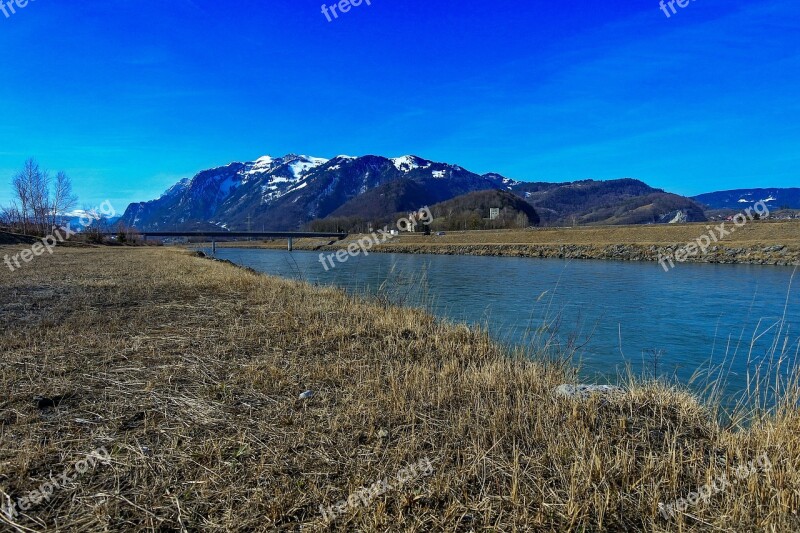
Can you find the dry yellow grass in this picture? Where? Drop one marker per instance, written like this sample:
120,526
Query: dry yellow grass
188,372
753,234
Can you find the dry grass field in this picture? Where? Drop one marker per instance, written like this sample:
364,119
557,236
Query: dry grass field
752,234
786,233
188,372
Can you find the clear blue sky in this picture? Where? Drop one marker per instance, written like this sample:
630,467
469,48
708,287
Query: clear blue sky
130,96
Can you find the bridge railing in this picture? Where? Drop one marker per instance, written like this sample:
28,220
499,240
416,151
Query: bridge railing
217,235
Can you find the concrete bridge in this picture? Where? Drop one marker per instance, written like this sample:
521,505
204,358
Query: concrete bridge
214,235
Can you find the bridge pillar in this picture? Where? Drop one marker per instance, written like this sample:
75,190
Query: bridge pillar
291,244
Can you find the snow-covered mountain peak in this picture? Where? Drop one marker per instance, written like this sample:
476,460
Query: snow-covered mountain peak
297,164
407,163
259,166
302,164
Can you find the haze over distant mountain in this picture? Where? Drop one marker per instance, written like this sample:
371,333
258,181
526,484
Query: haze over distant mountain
741,198
288,192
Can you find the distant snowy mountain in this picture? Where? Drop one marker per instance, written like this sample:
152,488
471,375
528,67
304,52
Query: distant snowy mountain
742,198
285,193
80,219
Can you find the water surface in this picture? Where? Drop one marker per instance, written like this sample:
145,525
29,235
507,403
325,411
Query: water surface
622,314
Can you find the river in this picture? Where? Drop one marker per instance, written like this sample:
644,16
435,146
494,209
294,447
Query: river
619,316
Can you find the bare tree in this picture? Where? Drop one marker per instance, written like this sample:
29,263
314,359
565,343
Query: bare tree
35,207
40,200
31,186
9,217
21,184
63,199
127,234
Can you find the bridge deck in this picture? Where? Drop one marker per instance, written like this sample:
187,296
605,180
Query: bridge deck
236,234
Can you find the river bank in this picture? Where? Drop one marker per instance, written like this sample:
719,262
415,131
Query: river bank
760,243
190,373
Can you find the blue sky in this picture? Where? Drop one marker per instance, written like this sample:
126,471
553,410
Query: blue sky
130,96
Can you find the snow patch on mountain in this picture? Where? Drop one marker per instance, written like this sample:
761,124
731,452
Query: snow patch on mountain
303,164
297,188
407,163
259,166
768,199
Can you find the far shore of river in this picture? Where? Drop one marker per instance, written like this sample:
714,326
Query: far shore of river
761,243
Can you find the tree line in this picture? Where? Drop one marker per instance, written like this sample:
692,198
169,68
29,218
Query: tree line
38,200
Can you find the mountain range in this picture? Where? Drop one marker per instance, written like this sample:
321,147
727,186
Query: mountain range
286,193
737,198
